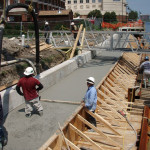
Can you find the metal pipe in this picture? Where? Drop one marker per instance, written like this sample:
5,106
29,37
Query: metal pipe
6,63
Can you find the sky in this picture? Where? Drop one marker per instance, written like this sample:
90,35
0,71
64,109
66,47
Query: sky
142,6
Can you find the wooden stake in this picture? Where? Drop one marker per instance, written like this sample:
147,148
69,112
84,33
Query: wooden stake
75,44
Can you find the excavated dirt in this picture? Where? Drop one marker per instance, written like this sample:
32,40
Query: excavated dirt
12,50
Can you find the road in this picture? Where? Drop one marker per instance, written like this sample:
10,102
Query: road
31,133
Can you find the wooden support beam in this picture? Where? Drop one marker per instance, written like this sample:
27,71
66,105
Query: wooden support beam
114,111
76,41
82,42
72,145
120,97
99,131
115,102
105,147
111,117
97,147
99,118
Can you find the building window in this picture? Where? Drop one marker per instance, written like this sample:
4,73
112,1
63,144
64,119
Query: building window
99,1
93,6
87,1
81,1
93,1
75,1
75,7
87,6
69,2
81,7
116,0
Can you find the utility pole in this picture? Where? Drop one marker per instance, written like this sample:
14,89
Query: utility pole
122,10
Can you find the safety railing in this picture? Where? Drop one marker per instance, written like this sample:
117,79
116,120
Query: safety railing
110,40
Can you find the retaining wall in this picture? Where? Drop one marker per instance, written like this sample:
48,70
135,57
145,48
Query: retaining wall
10,98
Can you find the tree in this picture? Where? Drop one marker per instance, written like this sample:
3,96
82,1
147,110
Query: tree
95,13
113,17
76,15
133,15
106,17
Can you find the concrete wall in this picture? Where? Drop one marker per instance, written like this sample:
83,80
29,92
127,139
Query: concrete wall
10,98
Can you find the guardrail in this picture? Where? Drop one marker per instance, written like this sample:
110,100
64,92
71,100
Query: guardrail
109,40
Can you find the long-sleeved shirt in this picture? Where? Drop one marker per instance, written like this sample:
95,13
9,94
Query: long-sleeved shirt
145,66
90,98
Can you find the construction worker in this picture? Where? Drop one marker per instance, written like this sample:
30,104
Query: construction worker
145,68
90,98
74,30
3,137
30,92
46,29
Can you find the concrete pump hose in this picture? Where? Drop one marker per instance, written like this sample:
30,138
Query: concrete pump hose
36,27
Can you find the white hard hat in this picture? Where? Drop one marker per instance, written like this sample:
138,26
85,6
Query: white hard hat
46,23
90,80
72,23
29,71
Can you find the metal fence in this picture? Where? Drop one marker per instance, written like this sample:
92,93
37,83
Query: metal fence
109,40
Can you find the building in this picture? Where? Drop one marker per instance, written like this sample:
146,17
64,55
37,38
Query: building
83,7
145,17
56,19
20,14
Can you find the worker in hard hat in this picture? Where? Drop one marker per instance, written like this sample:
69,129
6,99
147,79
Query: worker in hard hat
30,87
90,98
46,29
74,30
145,68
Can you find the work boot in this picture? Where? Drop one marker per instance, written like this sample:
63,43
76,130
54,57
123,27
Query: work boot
28,115
41,113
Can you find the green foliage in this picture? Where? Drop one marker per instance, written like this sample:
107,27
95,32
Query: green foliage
31,26
48,60
106,17
113,17
17,27
58,26
110,17
95,13
11,32
76,15
8,26
133,15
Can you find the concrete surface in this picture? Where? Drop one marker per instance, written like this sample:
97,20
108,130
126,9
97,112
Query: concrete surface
48,78
31,133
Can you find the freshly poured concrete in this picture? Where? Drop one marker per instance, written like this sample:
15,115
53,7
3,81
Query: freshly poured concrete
31,133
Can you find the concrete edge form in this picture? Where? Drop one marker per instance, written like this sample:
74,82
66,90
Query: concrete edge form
10,98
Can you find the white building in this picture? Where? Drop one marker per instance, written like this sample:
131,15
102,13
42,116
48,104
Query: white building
83,7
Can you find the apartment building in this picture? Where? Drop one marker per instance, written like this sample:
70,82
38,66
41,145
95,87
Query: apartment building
83,7
20,14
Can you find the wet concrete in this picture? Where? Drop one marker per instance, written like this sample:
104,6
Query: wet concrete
31,133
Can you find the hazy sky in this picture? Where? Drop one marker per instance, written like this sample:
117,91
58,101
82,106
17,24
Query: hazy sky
140,5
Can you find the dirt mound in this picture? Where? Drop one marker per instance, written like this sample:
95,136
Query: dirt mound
12,50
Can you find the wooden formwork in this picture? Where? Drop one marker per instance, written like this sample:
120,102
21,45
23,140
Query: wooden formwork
118,123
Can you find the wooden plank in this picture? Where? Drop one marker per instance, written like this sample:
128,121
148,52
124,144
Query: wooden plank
108,115
99,132
97,117
114,111
88,145
120,97
76,41
97,147
115,102
72,145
